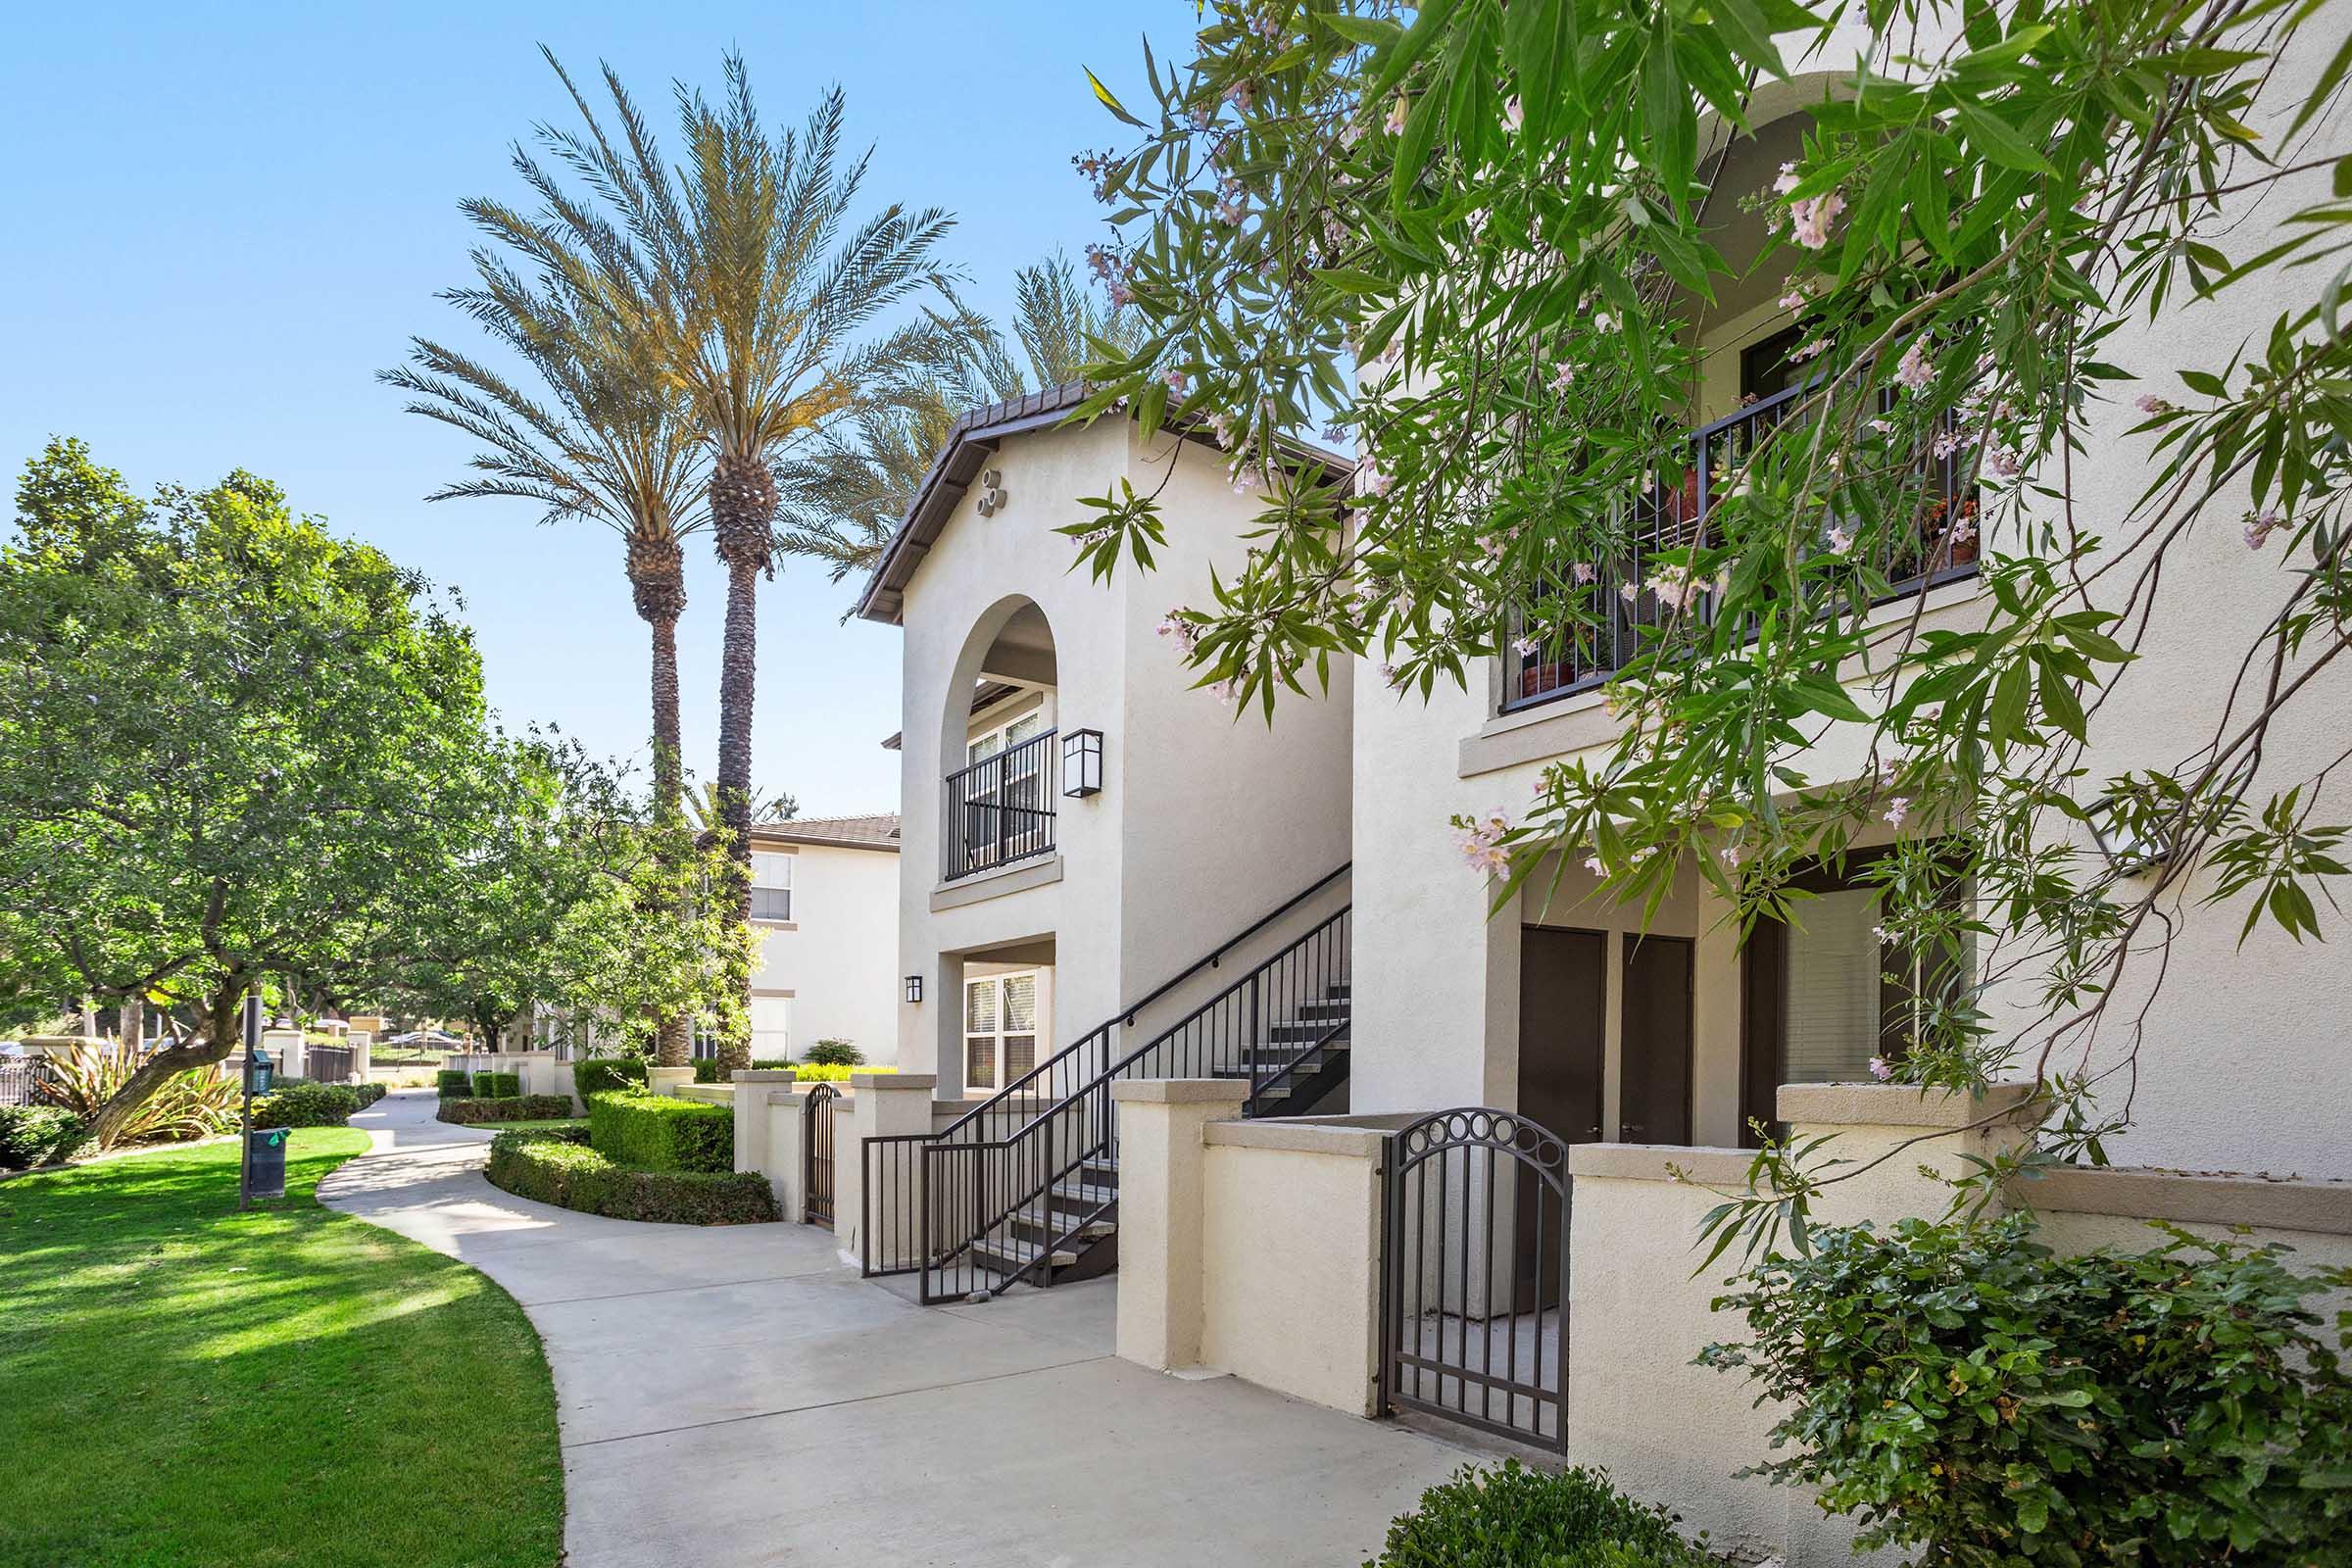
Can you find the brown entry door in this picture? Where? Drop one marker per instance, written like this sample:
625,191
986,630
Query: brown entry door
1654,1095
1564,998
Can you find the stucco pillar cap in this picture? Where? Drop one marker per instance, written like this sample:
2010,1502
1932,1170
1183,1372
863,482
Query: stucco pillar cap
1180,1091
923,1081
1901,1105
765,1075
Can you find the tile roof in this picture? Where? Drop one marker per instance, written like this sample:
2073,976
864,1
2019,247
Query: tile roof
879,831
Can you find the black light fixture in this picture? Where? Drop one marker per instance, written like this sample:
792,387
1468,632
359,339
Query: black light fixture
2127,848
915,988
1082,764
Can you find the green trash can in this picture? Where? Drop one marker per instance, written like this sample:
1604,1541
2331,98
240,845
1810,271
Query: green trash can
265,1161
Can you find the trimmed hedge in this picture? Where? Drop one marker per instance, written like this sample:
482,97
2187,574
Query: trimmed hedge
36,1135
599,1075
1515,1517
817,1072
453,1085
515,1107
497,1085
301,1104
706,1068
371,1093
569,1175
656,1132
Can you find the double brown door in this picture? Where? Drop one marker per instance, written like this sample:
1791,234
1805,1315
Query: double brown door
1563,1033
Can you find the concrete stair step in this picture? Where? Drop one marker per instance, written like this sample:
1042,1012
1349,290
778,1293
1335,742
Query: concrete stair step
1007,1255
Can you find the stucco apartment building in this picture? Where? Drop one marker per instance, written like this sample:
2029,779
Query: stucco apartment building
825,899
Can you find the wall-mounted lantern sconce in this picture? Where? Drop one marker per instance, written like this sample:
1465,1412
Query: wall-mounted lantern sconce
915,988
1082,764
992,493
2128,850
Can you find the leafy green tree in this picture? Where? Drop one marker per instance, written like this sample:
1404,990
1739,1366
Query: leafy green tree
743,268
231,747
1480,240
843,499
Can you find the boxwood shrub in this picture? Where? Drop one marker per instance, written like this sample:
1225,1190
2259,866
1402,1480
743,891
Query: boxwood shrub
835,1054
600,1075
368,1094
1515,1517
497,1085
301,1104
571,1175
453,1085
36,1135
657,1132
517,1108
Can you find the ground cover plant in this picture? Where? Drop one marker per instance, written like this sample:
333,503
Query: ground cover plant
190,1387
555,1170
36,1135
1515,1517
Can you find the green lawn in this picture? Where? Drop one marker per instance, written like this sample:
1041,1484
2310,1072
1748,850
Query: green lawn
186,1387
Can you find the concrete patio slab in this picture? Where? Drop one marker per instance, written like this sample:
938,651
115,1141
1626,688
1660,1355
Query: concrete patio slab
734,1395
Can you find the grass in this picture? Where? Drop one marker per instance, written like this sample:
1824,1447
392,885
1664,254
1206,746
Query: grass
190,1387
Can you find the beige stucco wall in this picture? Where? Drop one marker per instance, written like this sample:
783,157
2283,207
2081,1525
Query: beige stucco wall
1204,822
1438,980
838,958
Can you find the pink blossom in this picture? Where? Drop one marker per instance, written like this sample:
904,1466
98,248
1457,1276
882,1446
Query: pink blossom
1175,380
1899,809
1786,180
1564,377
2150,403
1396,113
1807,351
1810,218
1371,479
1882,1070
1269,25
1390,675
1512,115
1221,426
2004,463
2260,527
1593,866
1242,94
1229,691
1179,630
1525,646
1229,212
1840,540
1582,572
1916,370
1883,426
1796,299
1351,132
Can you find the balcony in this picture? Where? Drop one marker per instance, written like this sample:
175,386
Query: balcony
1000,810
1670,517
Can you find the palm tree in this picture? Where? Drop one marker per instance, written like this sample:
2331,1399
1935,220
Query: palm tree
742,267
843,499
603,442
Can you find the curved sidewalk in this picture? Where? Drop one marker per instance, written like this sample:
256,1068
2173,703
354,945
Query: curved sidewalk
734,1395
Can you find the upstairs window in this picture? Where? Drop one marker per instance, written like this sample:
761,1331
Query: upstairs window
771,886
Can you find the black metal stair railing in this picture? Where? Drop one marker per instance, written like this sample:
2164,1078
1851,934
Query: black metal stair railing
900,1228
1033,1199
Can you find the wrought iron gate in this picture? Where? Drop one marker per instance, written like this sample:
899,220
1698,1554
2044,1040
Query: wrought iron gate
817,1155
1475,1279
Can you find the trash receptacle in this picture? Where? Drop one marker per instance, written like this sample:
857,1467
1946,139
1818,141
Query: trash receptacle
258,1071
265,1161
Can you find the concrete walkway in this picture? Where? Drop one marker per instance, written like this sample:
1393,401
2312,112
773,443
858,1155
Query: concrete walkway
734,1395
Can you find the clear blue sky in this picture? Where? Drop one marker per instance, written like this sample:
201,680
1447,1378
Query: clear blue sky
222,219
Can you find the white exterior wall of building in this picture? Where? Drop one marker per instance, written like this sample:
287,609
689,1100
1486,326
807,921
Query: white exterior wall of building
838,958
1203,823
1436,980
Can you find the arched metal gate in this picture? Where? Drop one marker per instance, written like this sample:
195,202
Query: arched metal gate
817,1155
1475,1288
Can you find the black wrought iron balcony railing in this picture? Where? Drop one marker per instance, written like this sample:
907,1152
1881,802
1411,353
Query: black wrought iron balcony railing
1940,547
1000,809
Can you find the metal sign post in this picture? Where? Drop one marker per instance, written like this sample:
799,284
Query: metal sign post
253,1048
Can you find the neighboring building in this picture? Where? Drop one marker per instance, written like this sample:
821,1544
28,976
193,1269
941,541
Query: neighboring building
825,899
1030,913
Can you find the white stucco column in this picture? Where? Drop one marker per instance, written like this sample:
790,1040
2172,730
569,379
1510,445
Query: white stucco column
667,1080
883,1105
752,1142
786,1110
1162,1170
362,1047
284,1049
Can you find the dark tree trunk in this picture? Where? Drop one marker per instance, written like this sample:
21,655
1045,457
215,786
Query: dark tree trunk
743,511
658,575
215,1039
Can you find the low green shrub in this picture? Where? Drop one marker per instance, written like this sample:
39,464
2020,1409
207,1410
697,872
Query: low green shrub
1963,1389
835,1054
453,1085
822,1073
497,1085
602,1074
656,1132
706,1070
371,1093
1515,1517
773,1063
301,1104
36,1135
516,1108
554,1170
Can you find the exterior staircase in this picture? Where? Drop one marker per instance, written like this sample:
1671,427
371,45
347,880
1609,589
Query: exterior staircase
1024,1187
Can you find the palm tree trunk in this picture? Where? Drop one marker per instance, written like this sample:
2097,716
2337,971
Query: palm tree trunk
739,664
657,576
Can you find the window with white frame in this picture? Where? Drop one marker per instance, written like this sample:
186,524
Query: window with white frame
771,1028
1000,1029
771,885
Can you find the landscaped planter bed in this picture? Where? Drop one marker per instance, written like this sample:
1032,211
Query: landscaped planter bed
551,1167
